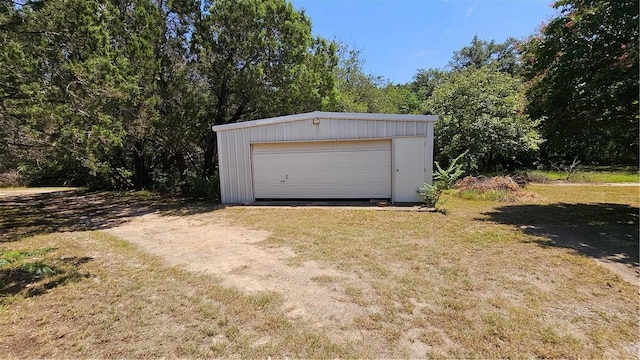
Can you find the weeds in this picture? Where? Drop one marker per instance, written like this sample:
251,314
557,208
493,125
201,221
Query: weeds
570,170
26,273
443,179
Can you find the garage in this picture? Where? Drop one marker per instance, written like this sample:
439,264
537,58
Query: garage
357,169
323,155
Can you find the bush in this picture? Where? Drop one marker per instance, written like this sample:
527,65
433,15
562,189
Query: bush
203,187
443,179
430,194
12,178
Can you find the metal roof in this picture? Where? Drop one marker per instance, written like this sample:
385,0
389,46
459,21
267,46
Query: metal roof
324,115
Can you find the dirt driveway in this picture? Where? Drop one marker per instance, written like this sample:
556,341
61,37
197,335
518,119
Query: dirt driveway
210,243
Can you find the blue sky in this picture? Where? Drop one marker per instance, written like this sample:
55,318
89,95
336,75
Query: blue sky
397,37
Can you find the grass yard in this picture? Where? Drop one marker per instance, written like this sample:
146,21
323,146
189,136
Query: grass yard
489,279
588,176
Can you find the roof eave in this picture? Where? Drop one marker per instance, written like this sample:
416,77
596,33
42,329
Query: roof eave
324,115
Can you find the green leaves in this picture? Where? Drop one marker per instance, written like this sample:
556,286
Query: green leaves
583,73
258,59
443,179
482,112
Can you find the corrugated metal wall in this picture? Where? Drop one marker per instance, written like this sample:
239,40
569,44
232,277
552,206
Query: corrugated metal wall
234,145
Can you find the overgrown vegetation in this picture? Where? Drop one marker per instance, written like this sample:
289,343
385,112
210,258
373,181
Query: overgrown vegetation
122,94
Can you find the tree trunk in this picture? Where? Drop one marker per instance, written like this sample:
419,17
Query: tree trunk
210,155
141,173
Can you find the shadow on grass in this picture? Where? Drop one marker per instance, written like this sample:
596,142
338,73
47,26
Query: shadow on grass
23,215
28,283
604,231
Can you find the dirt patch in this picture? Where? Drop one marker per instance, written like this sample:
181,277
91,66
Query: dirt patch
210,243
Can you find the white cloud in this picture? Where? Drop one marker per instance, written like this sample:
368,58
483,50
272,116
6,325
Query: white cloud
470,11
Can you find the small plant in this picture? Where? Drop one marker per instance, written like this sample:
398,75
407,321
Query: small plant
570,171
446,178
430,194
443,179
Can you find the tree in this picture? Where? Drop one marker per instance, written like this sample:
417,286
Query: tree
71,83
259,59
583,81
479,53
357,90
18,85
368,93
482,111
425,81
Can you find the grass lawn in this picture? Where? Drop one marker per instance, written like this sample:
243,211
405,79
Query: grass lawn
589,176
472,283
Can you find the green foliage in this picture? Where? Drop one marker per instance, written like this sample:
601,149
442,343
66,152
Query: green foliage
446,178
583,74
480,53
430,194
489,195
368,93
122,94
203,187
586,175
258,59
19,259
443,179
425,82
38,268
482,111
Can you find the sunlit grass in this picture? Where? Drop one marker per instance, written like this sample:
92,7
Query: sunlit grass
486,289
471,283
612,176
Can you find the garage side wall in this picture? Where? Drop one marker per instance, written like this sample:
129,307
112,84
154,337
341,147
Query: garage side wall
234,145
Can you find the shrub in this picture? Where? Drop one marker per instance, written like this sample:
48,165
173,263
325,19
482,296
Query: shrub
203,187
430,194
12,178
443,179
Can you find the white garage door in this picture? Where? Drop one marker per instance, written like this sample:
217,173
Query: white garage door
322,170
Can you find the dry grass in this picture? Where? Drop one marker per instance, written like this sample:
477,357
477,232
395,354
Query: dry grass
497,188
468,284
125,304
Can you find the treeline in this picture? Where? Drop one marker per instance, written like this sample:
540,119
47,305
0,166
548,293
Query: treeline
123,93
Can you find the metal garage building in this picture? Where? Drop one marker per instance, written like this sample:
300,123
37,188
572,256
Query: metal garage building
324,155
